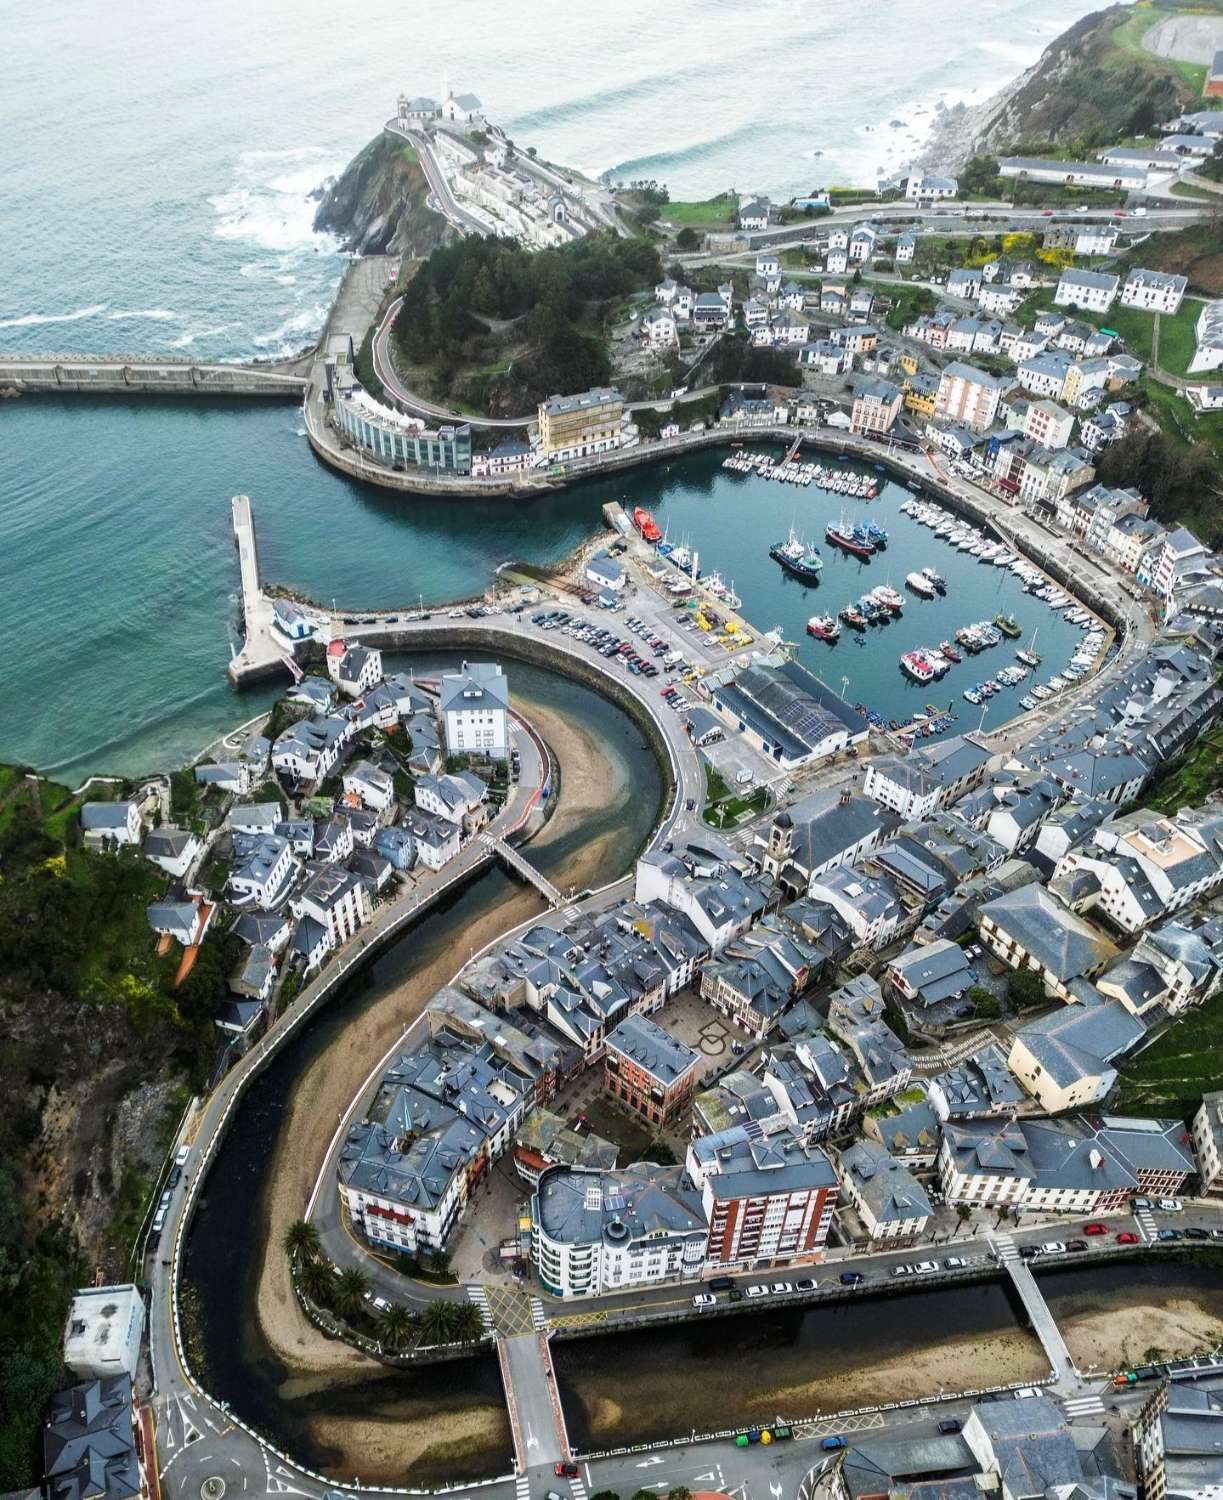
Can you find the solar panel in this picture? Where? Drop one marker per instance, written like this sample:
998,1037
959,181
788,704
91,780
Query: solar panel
615,1202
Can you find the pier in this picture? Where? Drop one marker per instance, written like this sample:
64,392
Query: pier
264,652
126,375
524,868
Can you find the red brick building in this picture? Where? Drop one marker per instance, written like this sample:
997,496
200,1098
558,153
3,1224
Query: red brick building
649,1071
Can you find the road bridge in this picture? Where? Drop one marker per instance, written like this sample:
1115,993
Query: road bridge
536,1418
133,375
524,868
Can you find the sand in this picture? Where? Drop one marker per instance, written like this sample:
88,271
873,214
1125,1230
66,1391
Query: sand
384,1450
1120,1337
326,1089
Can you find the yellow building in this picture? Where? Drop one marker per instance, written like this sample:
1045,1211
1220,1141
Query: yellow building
908,363
920,392
576,426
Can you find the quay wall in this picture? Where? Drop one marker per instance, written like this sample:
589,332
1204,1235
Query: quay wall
111,377
453,636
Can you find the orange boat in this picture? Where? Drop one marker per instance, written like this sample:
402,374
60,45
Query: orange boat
646,524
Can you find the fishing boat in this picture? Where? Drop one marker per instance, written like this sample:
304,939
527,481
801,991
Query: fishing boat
848,542
1029,658
646,524
940,583
823,628
949,651
871,612
851,616
918,666
875,534
889,598
920,584
797,559
1008,625
973,695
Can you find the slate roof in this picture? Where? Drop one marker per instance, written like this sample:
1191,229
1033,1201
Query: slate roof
1058,940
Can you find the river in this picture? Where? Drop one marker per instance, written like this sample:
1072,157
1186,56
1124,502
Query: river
342,1419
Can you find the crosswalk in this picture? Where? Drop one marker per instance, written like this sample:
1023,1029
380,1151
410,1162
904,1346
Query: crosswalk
1146,1223
538,1316
572,913
578,1488
522,1488
479,1297
1004,1247
1088,1405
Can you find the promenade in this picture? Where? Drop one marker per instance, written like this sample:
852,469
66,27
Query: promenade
141,375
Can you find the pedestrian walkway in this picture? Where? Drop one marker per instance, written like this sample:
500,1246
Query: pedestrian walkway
523,867
535,1408
1004,1247
1146,1224
1088,1405
479,1297
538,1316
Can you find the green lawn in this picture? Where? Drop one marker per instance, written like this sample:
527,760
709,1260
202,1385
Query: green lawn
1190,781
719,210
1127,38
1171,1076
1188,190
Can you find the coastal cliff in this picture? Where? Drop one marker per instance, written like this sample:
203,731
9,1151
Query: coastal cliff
379,203
1092,86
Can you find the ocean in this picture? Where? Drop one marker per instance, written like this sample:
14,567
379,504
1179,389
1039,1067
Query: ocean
159,164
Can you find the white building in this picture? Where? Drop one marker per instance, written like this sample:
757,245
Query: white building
1048,424
337,900
354,669
966,395
474,704
370,785
929,186
110,824
1209,352
103,1332
1092,291
1154,291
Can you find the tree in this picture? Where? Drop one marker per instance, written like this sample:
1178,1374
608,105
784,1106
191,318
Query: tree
350,1288
605,1495
437,1322
979,176
301,1241
317,1282
963,1213
396,1327
680,1492
467,1323
687,238
1025,989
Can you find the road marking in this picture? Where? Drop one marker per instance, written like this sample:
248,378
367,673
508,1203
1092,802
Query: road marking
532,1440
649,1463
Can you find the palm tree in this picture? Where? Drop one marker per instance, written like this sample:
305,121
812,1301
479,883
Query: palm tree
317,1282
300,1241
467,1323
437,1321
350,1289
396,1327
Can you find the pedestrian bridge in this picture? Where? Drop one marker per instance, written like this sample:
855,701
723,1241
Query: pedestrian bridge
1046,1329
524,868
127,375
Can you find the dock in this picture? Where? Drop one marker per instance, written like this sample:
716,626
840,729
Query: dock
264,652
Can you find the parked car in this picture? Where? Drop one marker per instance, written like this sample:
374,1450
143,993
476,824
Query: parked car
807,1284
1171,1234
852,1278
758,1291
1127,1237
1140,1203
1195,1232
566,1469
832,1442
1095,1228
721,1283
704,1299
180,1157
954,1263
1169,1205
949,1424
1076,1246
780,1288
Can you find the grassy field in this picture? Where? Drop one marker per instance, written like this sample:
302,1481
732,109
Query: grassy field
703,211
1127,39
1187,190
1171,1076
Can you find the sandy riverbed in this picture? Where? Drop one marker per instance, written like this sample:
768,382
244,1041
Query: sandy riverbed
1119,1337
428,1448
588,779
